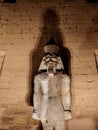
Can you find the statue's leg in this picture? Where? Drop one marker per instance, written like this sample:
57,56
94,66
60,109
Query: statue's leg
47,126
60,125
60,128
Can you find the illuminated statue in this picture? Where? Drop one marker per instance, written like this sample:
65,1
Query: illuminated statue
52,100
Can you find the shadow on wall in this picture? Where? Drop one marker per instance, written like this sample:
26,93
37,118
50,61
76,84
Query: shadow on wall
50,29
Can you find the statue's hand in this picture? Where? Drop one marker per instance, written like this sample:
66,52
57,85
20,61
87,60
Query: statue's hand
68,115
35,116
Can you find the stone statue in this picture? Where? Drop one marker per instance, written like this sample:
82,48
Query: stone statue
52,100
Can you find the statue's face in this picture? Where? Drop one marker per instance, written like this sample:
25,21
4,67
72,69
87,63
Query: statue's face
51,61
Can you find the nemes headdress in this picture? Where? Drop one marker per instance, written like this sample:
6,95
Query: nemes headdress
51,47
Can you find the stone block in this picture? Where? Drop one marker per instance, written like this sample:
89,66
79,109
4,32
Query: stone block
7,120
81,124
20,120
85,82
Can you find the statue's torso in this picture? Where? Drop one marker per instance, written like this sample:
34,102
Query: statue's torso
52,87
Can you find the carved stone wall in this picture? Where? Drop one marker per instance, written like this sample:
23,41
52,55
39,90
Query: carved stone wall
24,30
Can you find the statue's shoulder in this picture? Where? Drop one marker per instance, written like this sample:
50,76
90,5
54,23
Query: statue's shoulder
37,76
66,77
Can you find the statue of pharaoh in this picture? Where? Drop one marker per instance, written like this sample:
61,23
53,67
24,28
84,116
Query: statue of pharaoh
52,98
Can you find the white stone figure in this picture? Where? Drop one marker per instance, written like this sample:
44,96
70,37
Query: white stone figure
52,100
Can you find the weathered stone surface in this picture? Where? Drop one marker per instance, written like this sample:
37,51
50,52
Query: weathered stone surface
81,124
21,31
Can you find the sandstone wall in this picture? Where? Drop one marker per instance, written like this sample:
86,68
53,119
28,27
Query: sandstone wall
22,31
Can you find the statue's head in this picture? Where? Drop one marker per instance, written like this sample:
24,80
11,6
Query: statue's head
51,61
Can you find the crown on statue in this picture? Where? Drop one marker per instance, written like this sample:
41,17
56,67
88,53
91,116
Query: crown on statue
51,47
